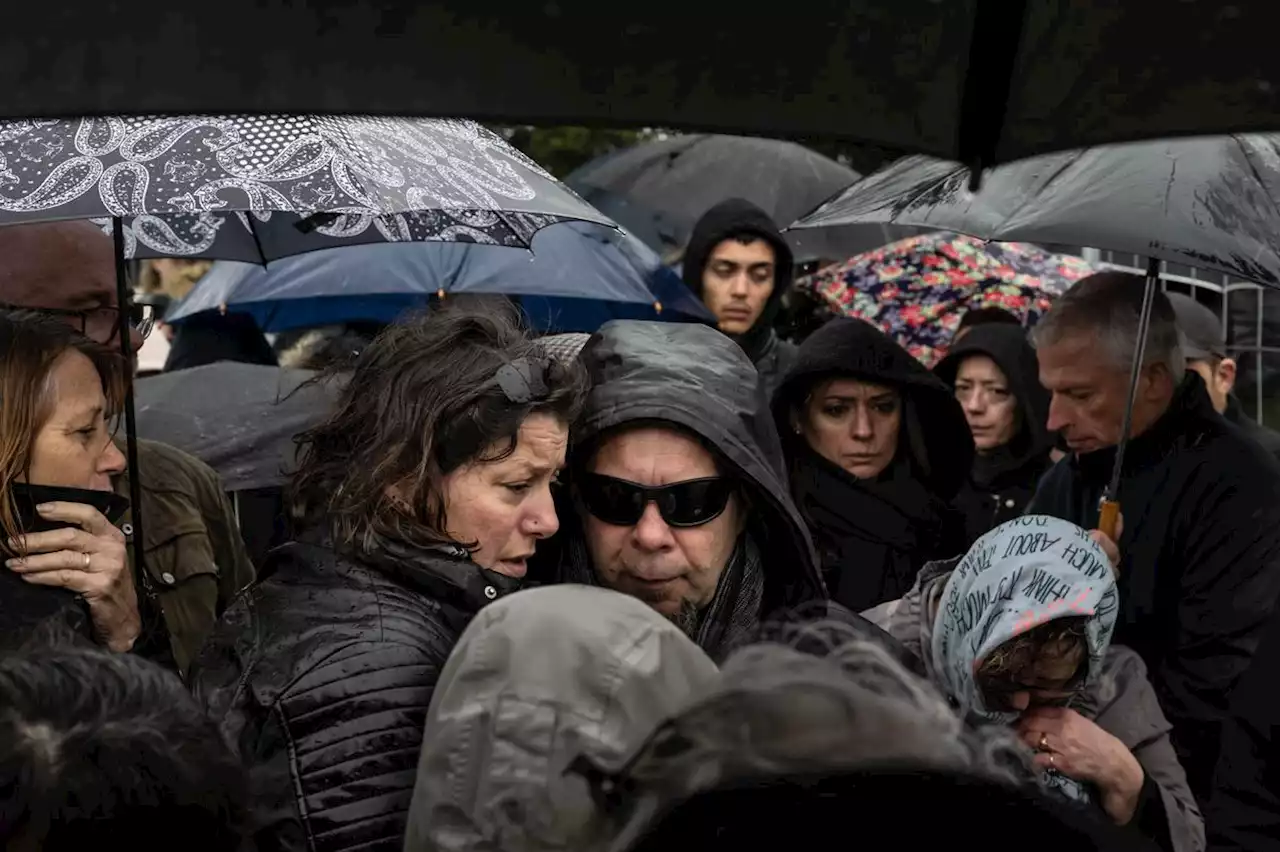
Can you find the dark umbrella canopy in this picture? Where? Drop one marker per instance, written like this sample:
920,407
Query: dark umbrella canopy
240,419
984,80
577,277
1212,203
256,188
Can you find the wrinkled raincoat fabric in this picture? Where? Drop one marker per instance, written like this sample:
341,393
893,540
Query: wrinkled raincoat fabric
1208,202
321,676
1199,558
873,535
771,355
539,679
1024,573
916,290
698,380
1004,478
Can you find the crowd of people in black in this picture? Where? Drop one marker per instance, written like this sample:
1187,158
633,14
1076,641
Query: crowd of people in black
661,585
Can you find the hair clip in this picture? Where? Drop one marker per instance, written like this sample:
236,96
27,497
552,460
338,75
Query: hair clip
522,381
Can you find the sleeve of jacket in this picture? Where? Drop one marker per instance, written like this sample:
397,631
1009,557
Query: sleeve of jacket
1232,554
235,569
1244,807
345,740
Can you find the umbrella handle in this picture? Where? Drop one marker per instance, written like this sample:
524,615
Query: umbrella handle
1109,518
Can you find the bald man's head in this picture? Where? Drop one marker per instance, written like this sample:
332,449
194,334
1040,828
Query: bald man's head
61,265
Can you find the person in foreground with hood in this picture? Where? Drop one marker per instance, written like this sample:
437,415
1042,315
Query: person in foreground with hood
678,488
420,500
878,447
997,381
540,680
740,267
1018,632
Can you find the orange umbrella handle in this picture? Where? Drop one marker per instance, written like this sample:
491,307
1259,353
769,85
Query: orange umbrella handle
1109,519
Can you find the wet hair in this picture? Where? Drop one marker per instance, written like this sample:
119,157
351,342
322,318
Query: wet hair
99,745
1109,304
1052,640
30,345
422,401
975,317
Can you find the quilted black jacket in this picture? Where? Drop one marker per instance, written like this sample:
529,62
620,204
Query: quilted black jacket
322,674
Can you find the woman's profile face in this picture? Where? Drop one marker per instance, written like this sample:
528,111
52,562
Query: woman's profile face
990,407
73,448
506,506
853,424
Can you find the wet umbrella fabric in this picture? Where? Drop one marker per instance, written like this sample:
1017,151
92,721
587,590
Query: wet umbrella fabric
240,419
916,290
577,277
966,80
256,188
1211,203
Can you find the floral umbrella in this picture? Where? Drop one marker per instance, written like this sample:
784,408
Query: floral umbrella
917,289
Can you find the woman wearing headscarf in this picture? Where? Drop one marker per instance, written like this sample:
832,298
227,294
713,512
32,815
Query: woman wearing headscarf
877,449
1018,632
994,374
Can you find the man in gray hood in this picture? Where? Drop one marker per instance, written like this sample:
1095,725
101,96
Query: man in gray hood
679,488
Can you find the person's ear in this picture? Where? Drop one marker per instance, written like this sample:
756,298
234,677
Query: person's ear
1226,374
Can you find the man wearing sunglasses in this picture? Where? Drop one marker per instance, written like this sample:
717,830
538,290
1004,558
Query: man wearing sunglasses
195,558
679,489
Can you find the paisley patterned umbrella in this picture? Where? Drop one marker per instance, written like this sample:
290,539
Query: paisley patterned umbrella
256,188
917,289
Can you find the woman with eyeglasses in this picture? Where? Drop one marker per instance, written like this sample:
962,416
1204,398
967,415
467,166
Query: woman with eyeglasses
996,380
419,500
877,448
1017,632
64,558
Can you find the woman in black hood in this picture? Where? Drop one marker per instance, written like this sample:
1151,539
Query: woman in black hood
994,373
742,287
878,448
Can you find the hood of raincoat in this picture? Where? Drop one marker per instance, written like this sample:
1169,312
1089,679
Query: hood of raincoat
1020,575
729,218
935,433
694,377
538,680
1007,346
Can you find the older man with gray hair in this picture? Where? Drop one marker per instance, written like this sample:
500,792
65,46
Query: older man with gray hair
1200,566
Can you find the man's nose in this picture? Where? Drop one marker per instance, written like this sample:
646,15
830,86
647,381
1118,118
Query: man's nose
739,286
1058,414
651,531
135,338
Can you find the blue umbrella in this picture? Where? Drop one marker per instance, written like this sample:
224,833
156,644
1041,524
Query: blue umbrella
577,277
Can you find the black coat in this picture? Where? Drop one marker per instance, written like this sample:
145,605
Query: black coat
321,675
1243,814
1268,439
874,536
1002,481
1200,558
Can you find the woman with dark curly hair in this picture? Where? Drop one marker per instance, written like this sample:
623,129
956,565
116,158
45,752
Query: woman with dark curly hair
420,500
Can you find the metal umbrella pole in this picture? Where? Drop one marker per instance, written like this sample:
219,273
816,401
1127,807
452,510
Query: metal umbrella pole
1109,510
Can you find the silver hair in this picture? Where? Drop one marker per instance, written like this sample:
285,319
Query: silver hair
780,710
1109,304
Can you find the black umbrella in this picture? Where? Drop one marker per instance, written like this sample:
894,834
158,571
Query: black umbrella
240,419
684,176
1213,203
971,80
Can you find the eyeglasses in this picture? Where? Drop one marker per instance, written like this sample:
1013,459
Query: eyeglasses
98,324
620,503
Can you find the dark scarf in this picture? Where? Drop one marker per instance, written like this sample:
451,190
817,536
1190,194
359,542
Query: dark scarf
873,534
733,615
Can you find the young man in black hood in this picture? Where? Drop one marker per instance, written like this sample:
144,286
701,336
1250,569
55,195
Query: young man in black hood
739,265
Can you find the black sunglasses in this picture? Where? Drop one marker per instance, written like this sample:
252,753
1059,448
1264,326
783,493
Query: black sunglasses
690,503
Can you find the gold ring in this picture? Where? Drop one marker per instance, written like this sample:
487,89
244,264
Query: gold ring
1053,764
87,560
1043,745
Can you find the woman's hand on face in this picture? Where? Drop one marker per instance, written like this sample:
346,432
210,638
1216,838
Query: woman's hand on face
1075,746
89,559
